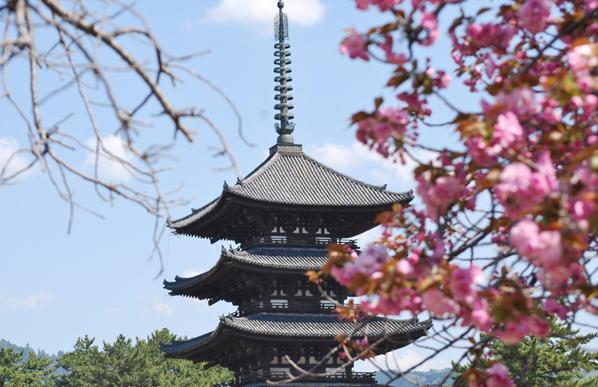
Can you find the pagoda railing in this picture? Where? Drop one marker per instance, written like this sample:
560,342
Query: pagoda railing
252,307
363,377
298,240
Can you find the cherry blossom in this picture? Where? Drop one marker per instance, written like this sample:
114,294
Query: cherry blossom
438,194
355,45
463,282
541,247
505,233
437,303
498,376
534,15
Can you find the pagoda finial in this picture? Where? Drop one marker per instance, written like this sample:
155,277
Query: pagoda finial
284,127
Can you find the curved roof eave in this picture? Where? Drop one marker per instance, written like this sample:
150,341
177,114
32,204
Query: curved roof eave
202,343
274,262
268,192
181,283
214,207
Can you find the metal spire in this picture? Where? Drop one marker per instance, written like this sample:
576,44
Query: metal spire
284,127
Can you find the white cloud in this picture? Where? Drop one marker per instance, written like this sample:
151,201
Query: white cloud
357,159
163,309
109,164
261,12
32,301
11,160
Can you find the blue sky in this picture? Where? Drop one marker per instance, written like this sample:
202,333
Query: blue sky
97,281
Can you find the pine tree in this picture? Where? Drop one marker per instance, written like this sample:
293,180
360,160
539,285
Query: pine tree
559,359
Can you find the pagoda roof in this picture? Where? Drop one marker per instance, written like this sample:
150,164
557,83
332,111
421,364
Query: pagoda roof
271,258
289,177
298,327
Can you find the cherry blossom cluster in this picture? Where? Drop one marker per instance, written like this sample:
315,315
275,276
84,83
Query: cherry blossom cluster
507,233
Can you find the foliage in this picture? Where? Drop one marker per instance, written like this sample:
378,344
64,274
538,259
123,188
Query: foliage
506,235
559,359
16,371
122,363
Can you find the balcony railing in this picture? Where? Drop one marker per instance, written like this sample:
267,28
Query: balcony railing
363,377
253,307
298,240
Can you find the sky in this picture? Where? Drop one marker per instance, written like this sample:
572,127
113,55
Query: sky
97,280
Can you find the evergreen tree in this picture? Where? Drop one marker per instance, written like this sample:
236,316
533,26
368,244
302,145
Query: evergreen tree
16,371
559,359
124,363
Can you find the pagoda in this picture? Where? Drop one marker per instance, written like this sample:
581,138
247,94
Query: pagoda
282,216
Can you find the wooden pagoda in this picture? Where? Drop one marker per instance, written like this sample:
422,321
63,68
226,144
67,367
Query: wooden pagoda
282,216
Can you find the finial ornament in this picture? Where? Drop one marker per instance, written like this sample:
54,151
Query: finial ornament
284,127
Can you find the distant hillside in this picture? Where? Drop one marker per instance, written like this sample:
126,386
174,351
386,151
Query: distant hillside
27,350
420,379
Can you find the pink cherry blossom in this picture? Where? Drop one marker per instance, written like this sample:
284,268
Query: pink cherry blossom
519,101
464,281
403,299
522,173
480,315
430,24
437,303
490,35
404,267
590,5
387,123
582,60
538,327
371,259
508,133
479,152
390,55
513,332
383,5
581,209
498,376
553,307
344,275
439,194
534,15
540,247
363,4
520,188
355,45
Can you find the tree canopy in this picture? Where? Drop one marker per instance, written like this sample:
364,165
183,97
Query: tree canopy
560,359
124,362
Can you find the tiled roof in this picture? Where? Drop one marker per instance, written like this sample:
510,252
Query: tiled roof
290,177
320,325
284,258
304,327
288,257
295,178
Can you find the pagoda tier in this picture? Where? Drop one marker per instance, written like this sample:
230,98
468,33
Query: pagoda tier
263,278
256,345
283,215
290,198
